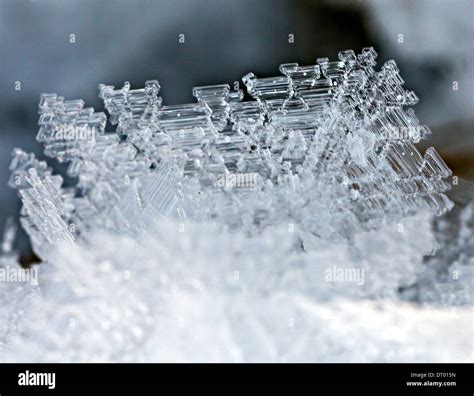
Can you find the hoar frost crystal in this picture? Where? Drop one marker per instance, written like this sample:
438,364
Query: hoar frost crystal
327,148
206,231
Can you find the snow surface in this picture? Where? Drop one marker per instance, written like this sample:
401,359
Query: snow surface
192,293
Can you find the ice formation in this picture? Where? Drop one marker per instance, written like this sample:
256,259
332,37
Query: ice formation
203,295
216,231
327,148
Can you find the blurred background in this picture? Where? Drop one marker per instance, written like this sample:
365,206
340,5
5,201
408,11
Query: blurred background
69,47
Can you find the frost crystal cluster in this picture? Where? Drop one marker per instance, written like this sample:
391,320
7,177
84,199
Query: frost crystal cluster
327,148
286,223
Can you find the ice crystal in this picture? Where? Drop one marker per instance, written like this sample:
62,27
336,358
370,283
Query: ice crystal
217,230
328,149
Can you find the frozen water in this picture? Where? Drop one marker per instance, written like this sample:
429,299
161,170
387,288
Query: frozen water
328,148
241,230
193,293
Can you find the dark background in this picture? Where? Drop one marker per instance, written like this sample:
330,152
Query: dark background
118,40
